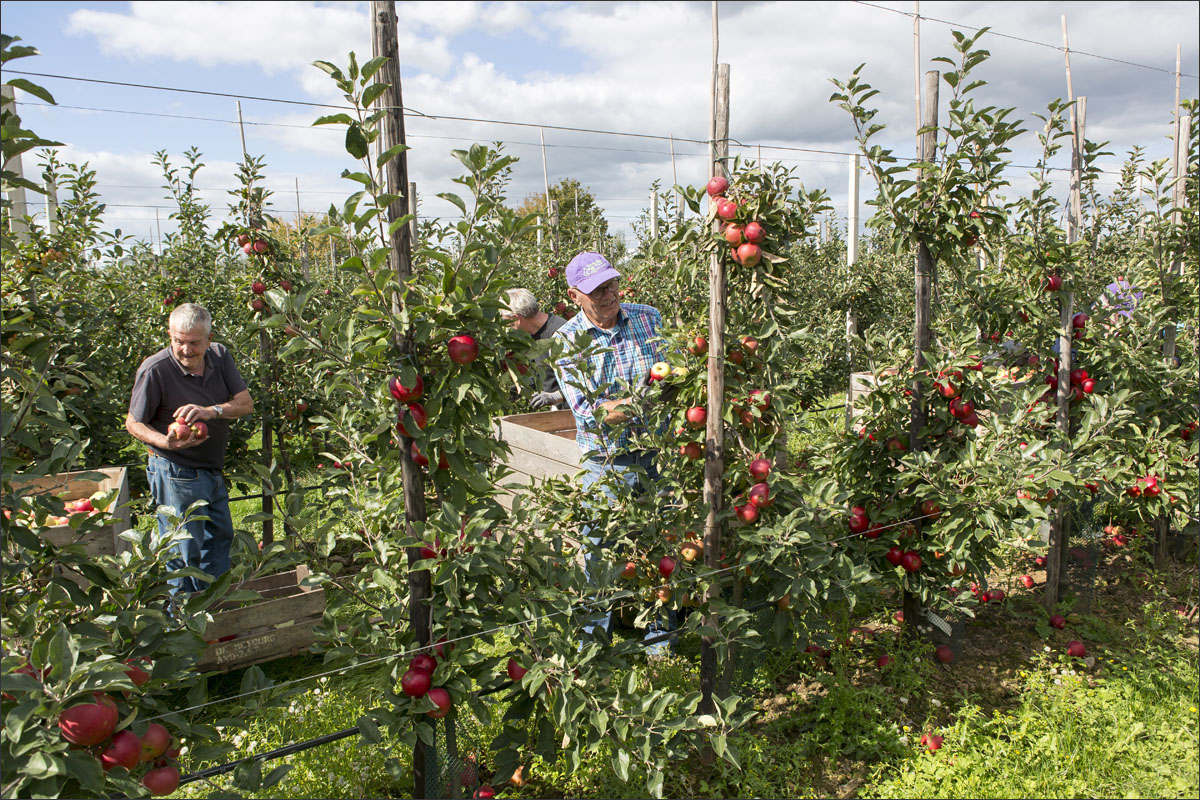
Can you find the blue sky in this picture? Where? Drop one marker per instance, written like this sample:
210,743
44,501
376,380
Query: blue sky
632,67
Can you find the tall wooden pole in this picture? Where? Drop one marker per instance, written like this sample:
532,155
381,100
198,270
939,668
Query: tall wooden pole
924,271
714,446
18,210
675,182
412,209
383,29
851,260
300,236
1060,524
51,205
654,215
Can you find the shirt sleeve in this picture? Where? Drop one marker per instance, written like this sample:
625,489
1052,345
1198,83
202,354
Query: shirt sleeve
146,397
233,378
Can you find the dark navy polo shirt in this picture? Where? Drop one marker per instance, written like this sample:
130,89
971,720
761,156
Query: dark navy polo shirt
162,386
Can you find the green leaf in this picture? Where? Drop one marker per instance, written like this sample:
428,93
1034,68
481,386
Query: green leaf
32,88
335,119
373,93
356,141
390,153
369,69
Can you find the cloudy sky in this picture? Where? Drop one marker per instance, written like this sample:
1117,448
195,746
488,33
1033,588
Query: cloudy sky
612,67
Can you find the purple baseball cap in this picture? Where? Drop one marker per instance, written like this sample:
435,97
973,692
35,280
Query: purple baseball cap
588,270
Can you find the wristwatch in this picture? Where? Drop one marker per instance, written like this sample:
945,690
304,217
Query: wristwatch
220,412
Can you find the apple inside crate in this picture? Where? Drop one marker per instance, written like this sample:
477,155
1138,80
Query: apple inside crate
278,624
71,487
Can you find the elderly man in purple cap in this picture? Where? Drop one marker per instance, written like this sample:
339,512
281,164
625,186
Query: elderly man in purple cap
621,341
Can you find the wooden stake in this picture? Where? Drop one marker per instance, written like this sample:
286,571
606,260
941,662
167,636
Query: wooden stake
675,182
242,130
383,29
851,260
300,236
551,206
925,270
714,450
653,215
412,209
51,205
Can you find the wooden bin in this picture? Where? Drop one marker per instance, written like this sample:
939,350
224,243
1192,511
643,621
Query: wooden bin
70,486
280,624
543,446
861,385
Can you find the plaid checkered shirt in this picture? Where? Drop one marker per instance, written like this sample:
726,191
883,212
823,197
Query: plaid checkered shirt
630,348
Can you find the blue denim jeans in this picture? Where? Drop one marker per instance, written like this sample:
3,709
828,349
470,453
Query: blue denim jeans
208,547
621,466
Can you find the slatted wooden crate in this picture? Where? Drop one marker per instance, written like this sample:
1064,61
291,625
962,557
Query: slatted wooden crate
543,446
71,486
280,624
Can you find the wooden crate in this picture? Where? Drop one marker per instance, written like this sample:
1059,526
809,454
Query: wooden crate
280,624
861,385
543,446
70,486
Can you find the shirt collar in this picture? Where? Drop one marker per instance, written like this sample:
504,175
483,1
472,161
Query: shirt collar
622,319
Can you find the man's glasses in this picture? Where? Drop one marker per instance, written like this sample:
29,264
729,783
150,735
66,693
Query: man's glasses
612,287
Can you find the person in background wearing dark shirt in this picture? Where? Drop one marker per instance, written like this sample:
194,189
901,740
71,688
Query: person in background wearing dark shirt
193,380
525,315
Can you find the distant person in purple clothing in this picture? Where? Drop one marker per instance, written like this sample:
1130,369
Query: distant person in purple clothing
1122,297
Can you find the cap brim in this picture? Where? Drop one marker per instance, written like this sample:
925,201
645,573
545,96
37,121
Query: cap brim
589,284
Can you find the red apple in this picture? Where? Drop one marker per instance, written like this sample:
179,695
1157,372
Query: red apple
859,523
415,682
125,750
286,285
515,670
199,429
243,239
748,255
697,416
155,741
910,561
943,653
727,209
1053,283
248,248
560,308
761,399
717,186
931,509
691,451
89,724
1058,621
698,346
759,495
261,247
162,781
754,233
747,513
418,457
257,304
463,349
1079,320
1087,386
894,555
441,699
659,371
552,272
136,674
1027,580
934,742
179,430
258,287
423,661
733,234
666,565
630,570
1075,649
883,661
760,468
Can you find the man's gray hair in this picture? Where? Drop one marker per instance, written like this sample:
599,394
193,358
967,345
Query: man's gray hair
190,316
522,303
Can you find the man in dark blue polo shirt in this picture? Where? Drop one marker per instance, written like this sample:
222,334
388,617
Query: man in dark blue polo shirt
192,380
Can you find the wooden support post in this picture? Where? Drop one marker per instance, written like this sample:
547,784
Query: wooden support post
917,66
714,450
654,215
383,29
18,208
553,210
51,205
851,260
925,270
1060,524
412,209
300,236
265,358
675,182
